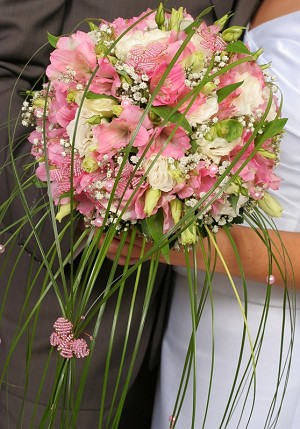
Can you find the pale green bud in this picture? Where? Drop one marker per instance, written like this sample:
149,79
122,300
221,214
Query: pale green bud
229,129
89,164
117,110
151,199
189,235
212,134
195,62
208,88
266,153
64,210
176,18
257,54
270,206
39,102
94,120
222,21
160,16
92,26
233,188
71,97
176,210
233,33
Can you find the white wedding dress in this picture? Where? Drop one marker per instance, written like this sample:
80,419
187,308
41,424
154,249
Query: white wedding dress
280,39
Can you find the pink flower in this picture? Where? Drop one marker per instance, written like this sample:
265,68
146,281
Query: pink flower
63,339
106,80
176,146
172,87
118,133
73,59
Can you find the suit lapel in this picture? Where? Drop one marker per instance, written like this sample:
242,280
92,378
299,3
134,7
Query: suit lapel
244,11
222,7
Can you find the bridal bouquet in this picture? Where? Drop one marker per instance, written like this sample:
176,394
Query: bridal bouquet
159,125
155,117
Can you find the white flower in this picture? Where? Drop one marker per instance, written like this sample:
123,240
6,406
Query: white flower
216,148
251,96
82,132
138,38
99,106
159,176
227,209
203,112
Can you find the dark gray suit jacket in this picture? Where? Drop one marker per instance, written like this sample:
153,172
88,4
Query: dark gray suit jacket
23,27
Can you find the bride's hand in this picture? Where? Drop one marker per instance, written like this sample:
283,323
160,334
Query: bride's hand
135,253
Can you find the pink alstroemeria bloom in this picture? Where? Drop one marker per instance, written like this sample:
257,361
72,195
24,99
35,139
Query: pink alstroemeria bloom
74,57
176,146
172,87
118,133
120,24
106,80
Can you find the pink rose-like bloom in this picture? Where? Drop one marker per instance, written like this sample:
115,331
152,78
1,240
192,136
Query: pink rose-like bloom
172,87
73,54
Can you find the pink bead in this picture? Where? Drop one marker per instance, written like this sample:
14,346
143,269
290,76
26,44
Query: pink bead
2,248
125,103
213,169
98,222
109,185
270,279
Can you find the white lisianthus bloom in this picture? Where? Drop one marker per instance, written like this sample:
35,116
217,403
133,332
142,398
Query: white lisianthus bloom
226,208
251,96
159,177
98,106
138,38
203,112
216,148
82,132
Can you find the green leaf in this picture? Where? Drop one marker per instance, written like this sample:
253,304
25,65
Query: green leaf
93,96
177,117
271,129
154,227
38,183
233,201
239,47
52,39
227,90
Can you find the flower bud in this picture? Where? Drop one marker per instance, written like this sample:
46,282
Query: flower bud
117,110
257,54
267,153
270,206
94,120
176,210
189,235
176,18
222,21
64,210
89,164
208,88
39,102
151,199
233,33
160,16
